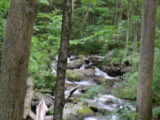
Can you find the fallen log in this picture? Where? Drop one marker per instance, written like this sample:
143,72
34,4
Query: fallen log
41,107
41,110
71,92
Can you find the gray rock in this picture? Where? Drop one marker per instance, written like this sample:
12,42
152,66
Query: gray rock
46,97
75,64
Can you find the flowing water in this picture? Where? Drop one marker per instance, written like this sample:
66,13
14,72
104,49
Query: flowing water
105,102
100,73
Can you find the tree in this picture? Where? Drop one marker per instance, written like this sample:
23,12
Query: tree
15,58
62,61
144,93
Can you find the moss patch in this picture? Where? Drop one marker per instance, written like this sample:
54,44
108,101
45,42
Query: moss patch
74,75
84,113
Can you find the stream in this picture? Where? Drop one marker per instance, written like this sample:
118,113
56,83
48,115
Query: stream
84,73
102,102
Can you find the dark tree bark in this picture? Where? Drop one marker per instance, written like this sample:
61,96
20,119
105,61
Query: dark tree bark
15,59
62,61
144,93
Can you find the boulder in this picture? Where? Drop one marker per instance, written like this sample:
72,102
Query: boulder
74,75
95,59
82,57
75,64
126,69
70,110
46,97
112,70
88,72
78,75
116,70
85,112
100,80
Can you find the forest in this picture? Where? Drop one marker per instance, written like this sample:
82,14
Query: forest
79,60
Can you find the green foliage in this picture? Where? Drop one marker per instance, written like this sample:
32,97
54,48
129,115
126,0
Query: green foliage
95,91
158,29
158,15
84,113
74,75
127,115
46,2
45,80
157,71
45,45
3,11
157,57
104,39
89,1
129,87
2,28
107,38
104,12
156,112
123,114
3,7
2,24
114,56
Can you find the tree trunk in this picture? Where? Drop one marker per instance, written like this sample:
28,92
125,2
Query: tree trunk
86,16
127,36
15,59
144,93
73,6
62,61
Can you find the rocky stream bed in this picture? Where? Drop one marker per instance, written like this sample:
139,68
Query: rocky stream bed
83,73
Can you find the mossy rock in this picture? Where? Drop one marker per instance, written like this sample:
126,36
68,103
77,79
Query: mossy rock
85,112
77,75
74,75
